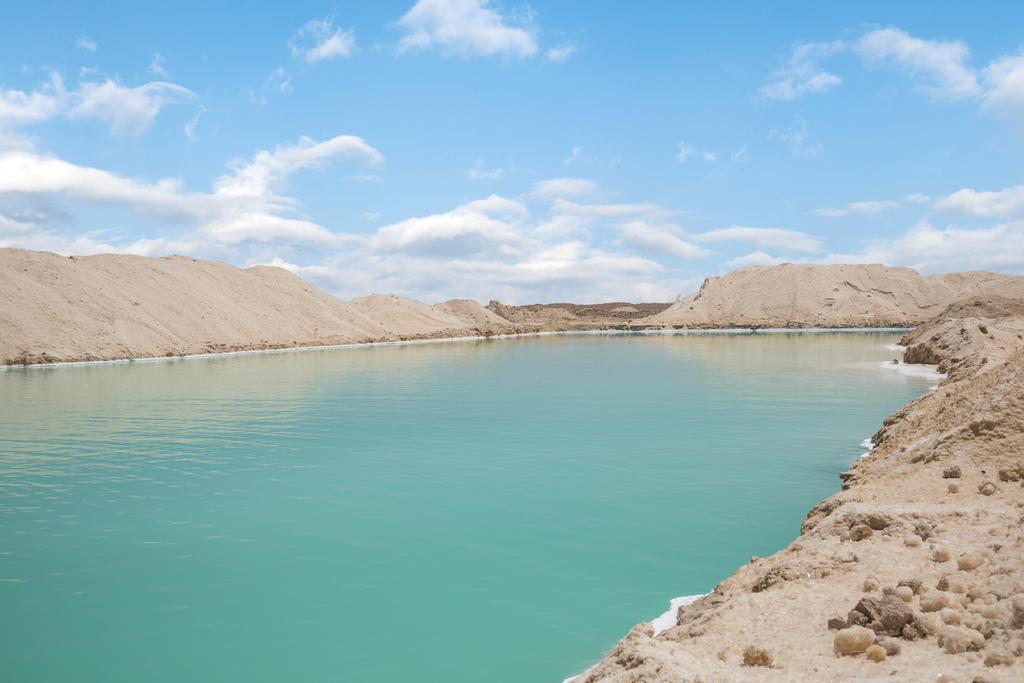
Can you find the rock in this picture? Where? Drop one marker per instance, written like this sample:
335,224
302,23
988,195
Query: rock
969,561
853,640
891,645
912,584
956,639
934,601
860,532
942,584
886,616
855,618
987,488
876,653
755,656
953,487
915,631
999,658
941,554
904,593
1009,475
870,584
912,541
835,624
951,472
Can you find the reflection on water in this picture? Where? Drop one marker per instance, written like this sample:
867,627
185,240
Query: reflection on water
423,512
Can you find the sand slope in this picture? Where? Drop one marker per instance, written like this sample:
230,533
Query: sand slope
800,295
55,308
922,552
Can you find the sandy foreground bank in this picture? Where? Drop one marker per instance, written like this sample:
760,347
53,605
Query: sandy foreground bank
913,572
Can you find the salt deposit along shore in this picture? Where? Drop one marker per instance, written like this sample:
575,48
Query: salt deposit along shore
914,571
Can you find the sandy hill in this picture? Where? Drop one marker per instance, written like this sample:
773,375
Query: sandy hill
55,308
801,295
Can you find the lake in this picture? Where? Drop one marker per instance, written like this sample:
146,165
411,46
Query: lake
501,510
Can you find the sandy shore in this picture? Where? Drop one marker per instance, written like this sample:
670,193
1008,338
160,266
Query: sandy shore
914,571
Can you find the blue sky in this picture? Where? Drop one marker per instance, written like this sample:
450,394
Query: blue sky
540,152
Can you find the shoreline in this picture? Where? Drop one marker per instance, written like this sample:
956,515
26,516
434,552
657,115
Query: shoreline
456,339
912,570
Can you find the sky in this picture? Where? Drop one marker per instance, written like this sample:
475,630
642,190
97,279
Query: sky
550,151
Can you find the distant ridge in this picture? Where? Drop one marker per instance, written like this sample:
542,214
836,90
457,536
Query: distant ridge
803,295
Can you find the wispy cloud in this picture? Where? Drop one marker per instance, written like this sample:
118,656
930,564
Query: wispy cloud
766,238
802,74
797,137
156,66
864,208
478,172
86,43
319,40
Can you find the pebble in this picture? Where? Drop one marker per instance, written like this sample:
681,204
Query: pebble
949,615
987,488
853,640
941,554
953,487
904,593
860,532
912,541
969,561
756,656
870,584
934,601
876,653
891,645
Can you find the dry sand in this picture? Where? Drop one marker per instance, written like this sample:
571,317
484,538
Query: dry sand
921,553
55,308
798,295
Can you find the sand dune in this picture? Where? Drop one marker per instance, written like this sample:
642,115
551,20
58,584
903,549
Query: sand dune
55,308
799,295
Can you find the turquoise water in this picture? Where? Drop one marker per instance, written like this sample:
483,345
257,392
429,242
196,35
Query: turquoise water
500,510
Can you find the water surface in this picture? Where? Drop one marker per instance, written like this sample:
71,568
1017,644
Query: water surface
499,510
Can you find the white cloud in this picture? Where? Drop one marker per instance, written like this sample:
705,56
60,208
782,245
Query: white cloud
126,110
564,206
481,226
478,172
742,154
916,198
944,62
659,239
757,258
564,187
1003,203
766,238
943,250
465,28
86,43
866,208
560,53
156,66
243,207
802,75
797,138
268,168
1004,80
18,107
318,40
